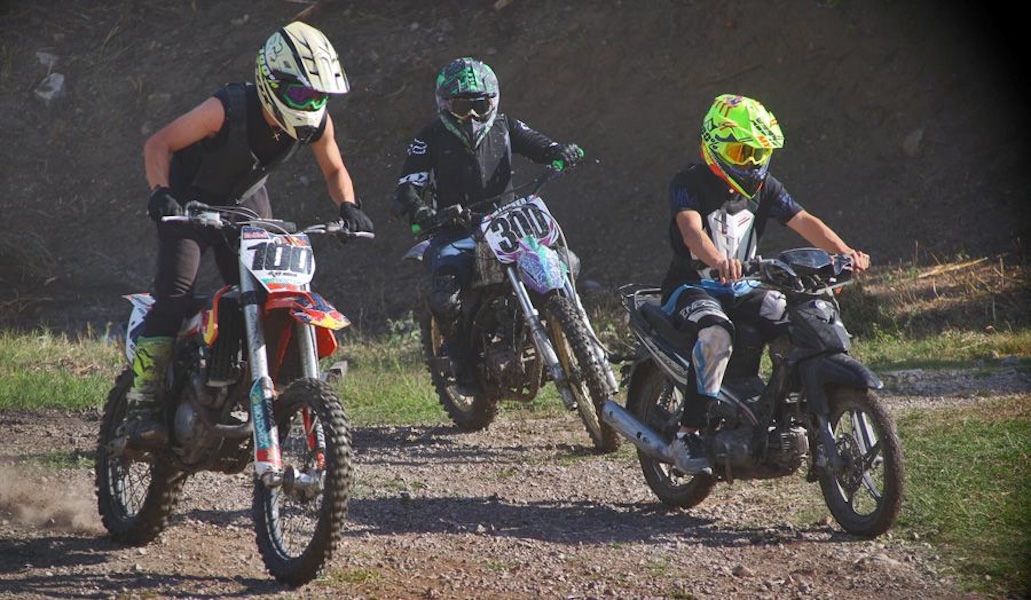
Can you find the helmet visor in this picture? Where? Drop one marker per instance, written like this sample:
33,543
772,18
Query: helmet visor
476,108
742,155
301,97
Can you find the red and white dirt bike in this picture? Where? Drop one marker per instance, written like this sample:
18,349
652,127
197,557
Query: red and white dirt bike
243,387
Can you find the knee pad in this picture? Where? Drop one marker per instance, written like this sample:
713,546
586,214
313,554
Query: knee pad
710,357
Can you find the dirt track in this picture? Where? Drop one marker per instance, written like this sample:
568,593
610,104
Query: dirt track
524,510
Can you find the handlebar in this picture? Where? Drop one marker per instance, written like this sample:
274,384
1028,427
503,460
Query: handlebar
222,217
801,270
464,215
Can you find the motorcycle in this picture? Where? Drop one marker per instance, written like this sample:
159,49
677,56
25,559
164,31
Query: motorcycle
819,405
243,387
527,321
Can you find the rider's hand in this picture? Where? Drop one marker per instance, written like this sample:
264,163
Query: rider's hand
730,270
860,260
569,154
421,217
353,218
163,204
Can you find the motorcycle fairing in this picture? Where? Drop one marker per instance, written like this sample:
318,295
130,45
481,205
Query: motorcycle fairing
540,267
281,262
141,304
209,323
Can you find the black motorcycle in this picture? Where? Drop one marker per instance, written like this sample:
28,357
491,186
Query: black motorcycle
818,408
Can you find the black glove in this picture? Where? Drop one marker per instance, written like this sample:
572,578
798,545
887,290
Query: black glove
353,218
162,204
421,217
569,154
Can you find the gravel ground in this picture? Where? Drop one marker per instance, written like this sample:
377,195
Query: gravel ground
523,510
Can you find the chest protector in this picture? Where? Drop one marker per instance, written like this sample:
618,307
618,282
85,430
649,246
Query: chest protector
733,222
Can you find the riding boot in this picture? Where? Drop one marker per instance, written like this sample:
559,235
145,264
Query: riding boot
144,424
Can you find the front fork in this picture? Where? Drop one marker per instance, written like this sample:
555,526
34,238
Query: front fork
268,461
540,337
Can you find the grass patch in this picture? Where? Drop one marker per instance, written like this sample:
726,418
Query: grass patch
46,370
969,475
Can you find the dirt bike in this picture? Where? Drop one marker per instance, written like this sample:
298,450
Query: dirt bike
527,321
819,405
243,387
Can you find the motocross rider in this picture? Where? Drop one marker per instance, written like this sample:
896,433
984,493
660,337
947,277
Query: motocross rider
718,210
463,156
220,153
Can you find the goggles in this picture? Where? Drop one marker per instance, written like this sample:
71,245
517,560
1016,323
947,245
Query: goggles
301,97
477,108
740,154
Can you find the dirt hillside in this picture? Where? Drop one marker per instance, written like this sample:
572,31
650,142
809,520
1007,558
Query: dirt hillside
902,120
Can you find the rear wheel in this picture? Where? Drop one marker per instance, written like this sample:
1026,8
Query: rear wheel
652,399
299,524
865,494
136,492
587,379
469,412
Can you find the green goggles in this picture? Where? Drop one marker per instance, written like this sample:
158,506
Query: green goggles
301,97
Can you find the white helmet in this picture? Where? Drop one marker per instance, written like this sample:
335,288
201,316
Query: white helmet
296,69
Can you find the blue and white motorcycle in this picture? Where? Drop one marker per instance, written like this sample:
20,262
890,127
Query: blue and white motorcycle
528,324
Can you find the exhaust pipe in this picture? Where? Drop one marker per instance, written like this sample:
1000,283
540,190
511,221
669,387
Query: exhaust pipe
640,434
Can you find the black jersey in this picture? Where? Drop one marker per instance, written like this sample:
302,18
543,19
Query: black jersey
734,222
229,166
441,170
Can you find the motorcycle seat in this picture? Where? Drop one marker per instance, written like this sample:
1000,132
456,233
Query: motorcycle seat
661,322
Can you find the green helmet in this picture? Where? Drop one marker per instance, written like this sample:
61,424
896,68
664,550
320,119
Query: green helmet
467,99
738,139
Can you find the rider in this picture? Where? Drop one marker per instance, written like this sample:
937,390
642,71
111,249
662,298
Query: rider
718,211
220,153
460,158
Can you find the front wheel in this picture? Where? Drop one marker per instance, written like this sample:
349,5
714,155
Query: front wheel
653,400
136,491
584,372
469,412
299,524
865,494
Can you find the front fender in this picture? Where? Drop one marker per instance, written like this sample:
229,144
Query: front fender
312,309
839,369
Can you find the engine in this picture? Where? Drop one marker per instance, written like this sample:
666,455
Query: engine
734,452
786,447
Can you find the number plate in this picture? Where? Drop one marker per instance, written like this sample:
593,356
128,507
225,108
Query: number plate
278,261
525,218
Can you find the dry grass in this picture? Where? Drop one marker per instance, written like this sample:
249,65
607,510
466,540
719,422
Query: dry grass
984,295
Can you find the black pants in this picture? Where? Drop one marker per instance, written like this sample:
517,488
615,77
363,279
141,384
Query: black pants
181,247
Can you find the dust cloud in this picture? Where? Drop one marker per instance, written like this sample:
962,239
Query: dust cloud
31,498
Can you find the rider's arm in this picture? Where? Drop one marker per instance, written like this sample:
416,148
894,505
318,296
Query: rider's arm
689,223
327,154
819,234
204,120
529,142
415,176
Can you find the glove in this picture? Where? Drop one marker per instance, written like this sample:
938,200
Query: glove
569,154
353,218
162,204
421,218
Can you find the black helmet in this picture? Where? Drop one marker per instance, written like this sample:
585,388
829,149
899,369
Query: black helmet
467,99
